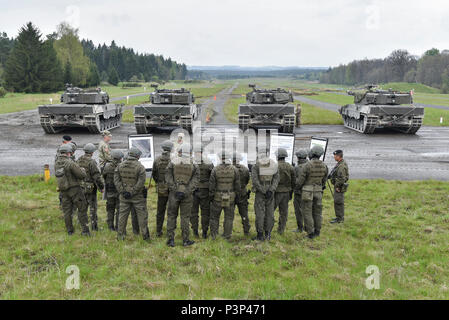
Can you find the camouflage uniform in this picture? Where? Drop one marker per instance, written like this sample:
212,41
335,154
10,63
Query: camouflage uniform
312,180
284,192
339,178
224,187
298,195
201,199
69,176
90,185
265,178
182,179
159,170
242,200
129,179
112,196
104,153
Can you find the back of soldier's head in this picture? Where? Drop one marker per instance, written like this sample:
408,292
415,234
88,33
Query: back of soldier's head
89,148
134,152
65,149
167,146
117,155
316,152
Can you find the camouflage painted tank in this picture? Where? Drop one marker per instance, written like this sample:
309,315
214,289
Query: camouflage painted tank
167,108
375,109
268,108
81,108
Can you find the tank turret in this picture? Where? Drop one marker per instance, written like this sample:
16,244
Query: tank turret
74,95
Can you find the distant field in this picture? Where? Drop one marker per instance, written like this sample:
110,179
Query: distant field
388,224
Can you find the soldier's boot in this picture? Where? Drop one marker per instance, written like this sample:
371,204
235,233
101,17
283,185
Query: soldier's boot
171,242
70,233
159,233
187,243
204,234
111,227
86,232
259,237
146,235
267,235
299,230
195,233
317,233
311,235
94,226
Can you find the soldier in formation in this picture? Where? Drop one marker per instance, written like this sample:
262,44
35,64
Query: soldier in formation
302,160
284,190
159,170
312,181
112,195
92,183
201,196
69,177
224,191
241,202
182,179
265,178
129,179
339,177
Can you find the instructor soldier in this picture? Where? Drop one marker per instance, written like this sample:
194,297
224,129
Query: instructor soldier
339,177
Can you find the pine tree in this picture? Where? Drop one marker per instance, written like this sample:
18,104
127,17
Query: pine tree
50,69
113,76
94,76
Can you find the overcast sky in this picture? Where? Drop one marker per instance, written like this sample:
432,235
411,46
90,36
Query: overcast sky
246,32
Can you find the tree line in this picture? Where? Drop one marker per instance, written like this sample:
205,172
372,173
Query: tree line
32,63
431,69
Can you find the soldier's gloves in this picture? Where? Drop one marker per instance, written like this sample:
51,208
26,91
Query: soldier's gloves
180,195
195,192
291,195
145,193
268,195
324,187
248,194
127,195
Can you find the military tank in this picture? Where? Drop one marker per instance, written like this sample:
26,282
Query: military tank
81,108
167,108
374,108
267,108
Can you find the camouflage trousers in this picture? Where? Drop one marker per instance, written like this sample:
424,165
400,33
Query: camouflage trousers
215,212
264,210
113,211
184,208
200,200
138,204
281,200
72,200
298,210
91,199
162,202
242,205
312,210
339,205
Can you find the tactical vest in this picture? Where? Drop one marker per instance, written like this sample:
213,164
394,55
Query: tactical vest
162,164
108,174
205,170
225,178
266,173
316,174
83,162
129,171
182,173
285,177
242,175
64,177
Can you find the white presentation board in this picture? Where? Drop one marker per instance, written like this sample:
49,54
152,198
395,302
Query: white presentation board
322,142
143,142
280,140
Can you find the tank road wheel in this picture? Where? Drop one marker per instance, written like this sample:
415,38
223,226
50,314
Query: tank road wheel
289,124
139,122
243,122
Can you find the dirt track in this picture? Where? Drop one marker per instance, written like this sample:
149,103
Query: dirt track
25,148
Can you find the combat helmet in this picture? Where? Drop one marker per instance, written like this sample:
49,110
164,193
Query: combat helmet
117,154
65,148
281,153
316,152
134,152
301,154
167,145
89,148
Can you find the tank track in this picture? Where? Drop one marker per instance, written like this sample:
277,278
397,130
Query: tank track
243,122
366,124
186,123
289,123
98,124
416,125
46,125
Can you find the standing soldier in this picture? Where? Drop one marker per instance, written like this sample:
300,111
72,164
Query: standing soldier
112,195
92,183
302,160
65,140
129,179
201,196
312,181
182,179
243,197
265,177
284,190
159,170
104,150
339,177
224,191
69,176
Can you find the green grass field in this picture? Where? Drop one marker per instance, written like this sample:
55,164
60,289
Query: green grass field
400,227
